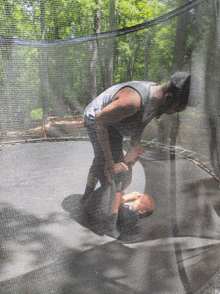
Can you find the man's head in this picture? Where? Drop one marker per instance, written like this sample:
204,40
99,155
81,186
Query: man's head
176,93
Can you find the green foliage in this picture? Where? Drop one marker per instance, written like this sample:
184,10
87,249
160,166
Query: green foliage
36,113
66,77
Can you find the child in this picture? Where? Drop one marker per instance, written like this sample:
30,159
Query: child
108,204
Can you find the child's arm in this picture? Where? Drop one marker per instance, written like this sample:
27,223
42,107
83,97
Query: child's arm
120,198
130,197
117,201
121,167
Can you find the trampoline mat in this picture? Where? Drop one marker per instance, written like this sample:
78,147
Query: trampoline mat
45,249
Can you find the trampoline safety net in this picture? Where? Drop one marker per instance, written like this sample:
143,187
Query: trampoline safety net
46,81
57,56
50,71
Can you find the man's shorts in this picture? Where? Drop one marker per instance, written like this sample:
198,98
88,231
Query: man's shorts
98,165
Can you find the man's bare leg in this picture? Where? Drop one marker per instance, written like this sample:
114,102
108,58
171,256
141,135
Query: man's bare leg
92,181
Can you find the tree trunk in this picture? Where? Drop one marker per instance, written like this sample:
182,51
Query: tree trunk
42,20
111,45
179,49
199,58
44,66
212,85
93,63
44,90
169,125
146,55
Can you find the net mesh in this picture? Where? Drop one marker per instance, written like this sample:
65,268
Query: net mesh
45,86
56,56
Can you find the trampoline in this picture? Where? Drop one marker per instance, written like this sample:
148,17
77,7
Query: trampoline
47,245
45,250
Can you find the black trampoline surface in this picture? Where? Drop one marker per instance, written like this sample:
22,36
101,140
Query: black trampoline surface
46,249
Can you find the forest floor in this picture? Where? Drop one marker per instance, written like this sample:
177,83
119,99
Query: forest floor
53,129
192,132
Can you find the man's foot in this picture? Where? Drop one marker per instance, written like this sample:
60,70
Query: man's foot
86,194
83,199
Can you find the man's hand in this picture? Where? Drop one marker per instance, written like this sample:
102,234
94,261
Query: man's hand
132,162
133,154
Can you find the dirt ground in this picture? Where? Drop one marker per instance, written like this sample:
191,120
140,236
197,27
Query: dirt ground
53,129
190,131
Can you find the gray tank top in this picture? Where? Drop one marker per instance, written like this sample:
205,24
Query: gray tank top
132,124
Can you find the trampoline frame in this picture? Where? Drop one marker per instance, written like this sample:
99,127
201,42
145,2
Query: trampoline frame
184,153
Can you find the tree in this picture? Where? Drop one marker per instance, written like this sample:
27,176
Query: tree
97,22
169,125
179,48
212,83
65,74
111,45
44,85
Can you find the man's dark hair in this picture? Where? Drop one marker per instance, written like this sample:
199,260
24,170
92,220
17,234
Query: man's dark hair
179,86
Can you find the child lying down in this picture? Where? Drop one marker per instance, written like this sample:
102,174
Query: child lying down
110,209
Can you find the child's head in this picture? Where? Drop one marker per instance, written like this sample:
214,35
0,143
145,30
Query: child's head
129,213
144,205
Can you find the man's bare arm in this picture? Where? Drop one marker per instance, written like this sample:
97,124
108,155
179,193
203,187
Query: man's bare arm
126,103
135,150
136,139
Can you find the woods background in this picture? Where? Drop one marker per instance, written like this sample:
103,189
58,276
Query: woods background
63,52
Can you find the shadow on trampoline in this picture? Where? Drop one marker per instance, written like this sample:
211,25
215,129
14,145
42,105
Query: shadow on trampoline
102,267
71,204
202,217
54,254
59,269
119,269
22,236
142,269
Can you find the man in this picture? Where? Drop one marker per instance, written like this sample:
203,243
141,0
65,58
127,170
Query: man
125,110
